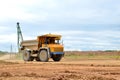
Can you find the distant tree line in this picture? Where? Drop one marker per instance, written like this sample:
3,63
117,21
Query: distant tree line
2,52
110,50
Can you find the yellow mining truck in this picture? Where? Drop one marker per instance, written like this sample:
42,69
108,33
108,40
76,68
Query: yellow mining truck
44,47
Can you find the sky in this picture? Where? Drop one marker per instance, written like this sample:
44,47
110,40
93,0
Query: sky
85,25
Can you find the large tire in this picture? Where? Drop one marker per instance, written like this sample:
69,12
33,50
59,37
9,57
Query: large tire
56,57
27,56
43,56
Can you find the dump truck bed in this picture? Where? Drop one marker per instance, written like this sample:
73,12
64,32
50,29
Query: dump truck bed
34,44
30,44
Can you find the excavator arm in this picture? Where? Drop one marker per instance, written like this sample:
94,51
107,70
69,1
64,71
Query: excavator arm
19,36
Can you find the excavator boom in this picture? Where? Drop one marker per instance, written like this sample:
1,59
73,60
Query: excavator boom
19,36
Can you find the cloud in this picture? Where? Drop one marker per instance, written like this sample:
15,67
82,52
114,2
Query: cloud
87,11
8,38
84,24
77,40
3,29
68,11
89,40
100,40
16,10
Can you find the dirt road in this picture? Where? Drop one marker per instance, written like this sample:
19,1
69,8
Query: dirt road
64,70
7,56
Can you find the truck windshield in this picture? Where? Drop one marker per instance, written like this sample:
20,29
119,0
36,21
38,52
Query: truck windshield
52,41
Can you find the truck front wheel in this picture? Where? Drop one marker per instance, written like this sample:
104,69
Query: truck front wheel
43,56
56,57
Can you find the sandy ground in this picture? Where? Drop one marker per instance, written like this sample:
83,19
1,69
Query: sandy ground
63,70
7,56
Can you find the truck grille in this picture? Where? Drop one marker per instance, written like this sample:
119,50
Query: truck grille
58,49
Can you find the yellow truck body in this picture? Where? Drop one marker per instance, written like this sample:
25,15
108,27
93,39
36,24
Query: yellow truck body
45,46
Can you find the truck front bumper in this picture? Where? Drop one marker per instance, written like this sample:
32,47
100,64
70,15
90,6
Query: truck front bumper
57,53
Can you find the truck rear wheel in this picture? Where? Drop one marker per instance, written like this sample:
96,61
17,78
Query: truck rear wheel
27,56
56,57
43,56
